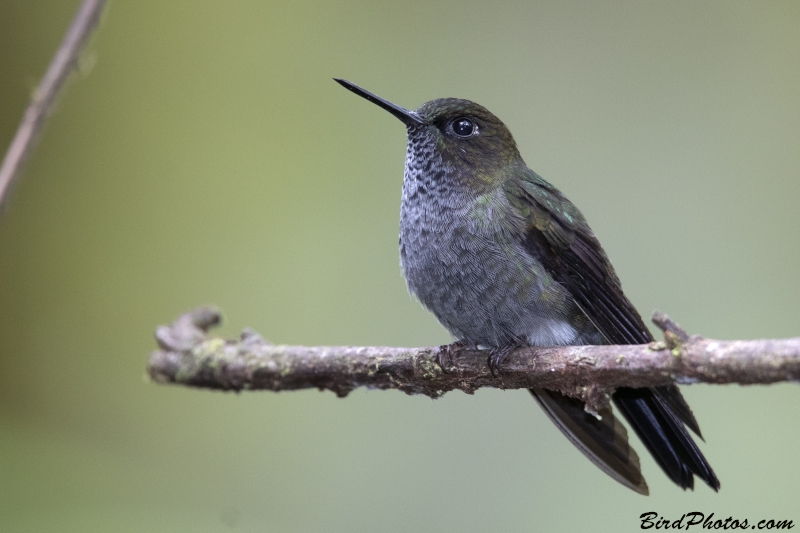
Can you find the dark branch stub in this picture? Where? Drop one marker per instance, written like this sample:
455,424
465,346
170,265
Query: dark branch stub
674,335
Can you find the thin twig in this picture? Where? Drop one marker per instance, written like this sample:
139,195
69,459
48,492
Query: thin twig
188,356
42,100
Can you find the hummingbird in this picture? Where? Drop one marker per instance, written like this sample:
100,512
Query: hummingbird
503,259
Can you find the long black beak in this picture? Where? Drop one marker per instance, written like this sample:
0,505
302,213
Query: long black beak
409,118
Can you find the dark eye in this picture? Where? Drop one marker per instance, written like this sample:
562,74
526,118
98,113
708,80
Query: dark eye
464,127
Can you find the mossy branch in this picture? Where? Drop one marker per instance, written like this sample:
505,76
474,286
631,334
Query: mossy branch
189,356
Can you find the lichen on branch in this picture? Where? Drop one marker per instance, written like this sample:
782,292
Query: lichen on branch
189,356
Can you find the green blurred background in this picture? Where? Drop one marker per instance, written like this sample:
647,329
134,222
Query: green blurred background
203,155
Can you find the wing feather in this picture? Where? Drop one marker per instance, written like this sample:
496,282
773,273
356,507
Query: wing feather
560,238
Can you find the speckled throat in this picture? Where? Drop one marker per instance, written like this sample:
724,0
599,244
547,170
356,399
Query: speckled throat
463,259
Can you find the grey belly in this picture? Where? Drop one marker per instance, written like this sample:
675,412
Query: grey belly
490,294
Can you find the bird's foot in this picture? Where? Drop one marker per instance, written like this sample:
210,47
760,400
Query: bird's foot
444,355
498,354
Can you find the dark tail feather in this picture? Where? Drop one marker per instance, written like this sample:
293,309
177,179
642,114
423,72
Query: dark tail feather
665,436
674,399
604,441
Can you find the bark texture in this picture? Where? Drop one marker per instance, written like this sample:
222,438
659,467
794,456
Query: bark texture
189,356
